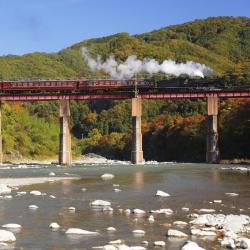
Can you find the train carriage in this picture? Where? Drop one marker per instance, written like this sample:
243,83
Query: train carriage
49,85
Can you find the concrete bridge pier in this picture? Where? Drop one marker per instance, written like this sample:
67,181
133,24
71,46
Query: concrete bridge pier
212,155
1,139
137,153
65,155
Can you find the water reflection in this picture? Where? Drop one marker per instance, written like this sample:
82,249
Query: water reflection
138,180
216,176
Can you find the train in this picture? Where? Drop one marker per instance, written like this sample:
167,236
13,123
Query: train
94,85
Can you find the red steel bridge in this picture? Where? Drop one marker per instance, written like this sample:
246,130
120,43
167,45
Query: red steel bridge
135,89
104,89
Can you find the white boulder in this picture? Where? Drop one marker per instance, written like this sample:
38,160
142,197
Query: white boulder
7,236
190,245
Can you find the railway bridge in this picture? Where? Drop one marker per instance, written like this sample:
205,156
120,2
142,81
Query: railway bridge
65,155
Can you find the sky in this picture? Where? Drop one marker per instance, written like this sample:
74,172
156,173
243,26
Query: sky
51,25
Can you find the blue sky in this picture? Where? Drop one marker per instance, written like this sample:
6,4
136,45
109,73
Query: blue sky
51,25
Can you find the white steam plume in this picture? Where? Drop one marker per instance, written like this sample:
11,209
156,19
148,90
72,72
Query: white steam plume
133,66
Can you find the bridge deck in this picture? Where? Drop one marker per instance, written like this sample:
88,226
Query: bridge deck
116,96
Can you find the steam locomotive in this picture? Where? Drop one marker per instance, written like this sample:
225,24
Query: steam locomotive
104,85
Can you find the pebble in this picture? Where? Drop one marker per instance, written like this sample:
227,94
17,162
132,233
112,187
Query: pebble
20,193
79,231
116,242
175,233
136,248
166,211
6,197
228,243
107,176
138,211
54,225
180,223
35,192
244,243
111,229
84,189
199,232
138,232
4,189
72,209
217,201
151,219
117,190
33,207
231,194
127,211
52,174
100,203
162,194
52,196
190,245
185,209
206,210
159,243
11,225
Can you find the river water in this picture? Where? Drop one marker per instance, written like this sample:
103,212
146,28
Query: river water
190,185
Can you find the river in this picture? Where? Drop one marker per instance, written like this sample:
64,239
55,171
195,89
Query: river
194,186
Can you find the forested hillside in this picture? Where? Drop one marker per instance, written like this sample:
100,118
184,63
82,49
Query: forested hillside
172,130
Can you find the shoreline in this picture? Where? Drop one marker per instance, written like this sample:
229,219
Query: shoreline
25,181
